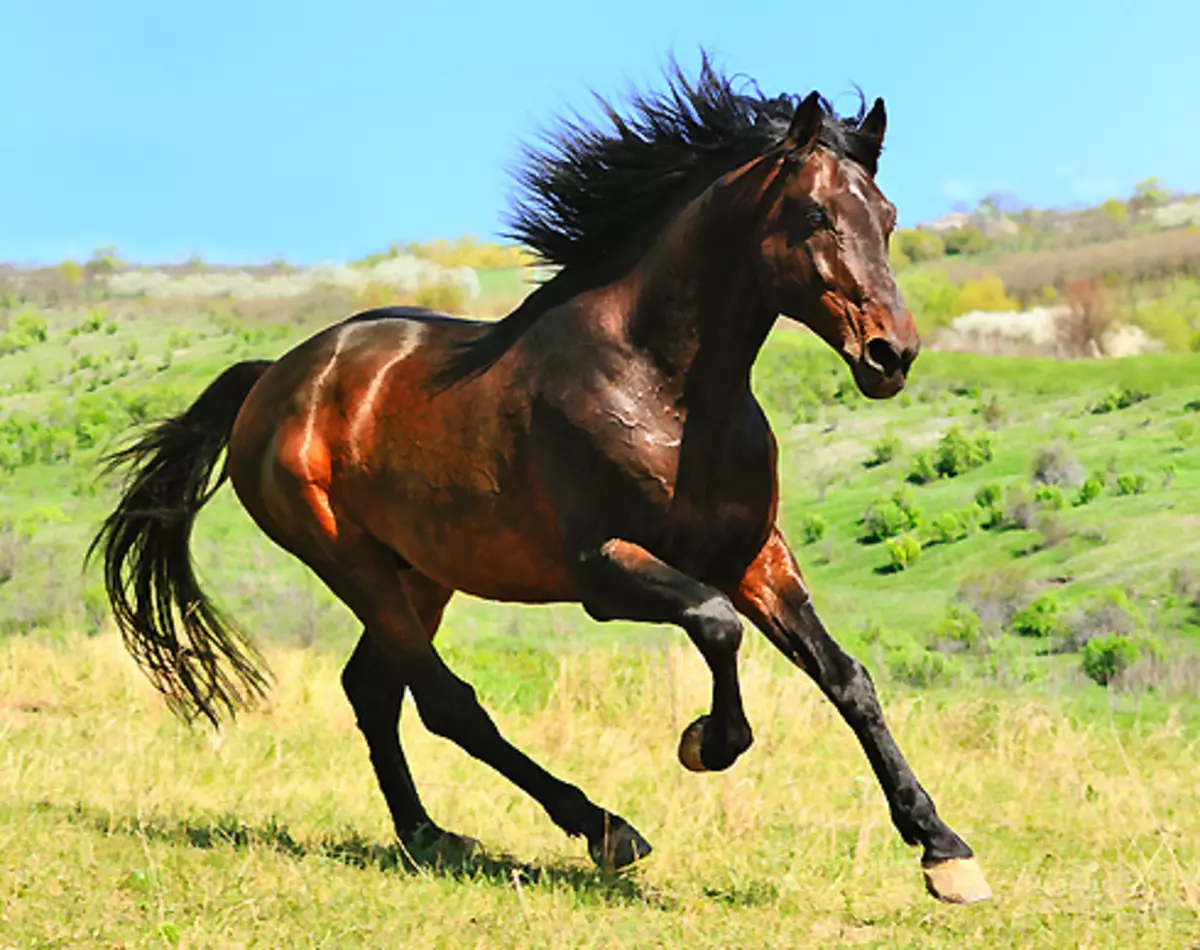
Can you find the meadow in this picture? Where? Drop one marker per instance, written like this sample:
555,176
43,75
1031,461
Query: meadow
1012,546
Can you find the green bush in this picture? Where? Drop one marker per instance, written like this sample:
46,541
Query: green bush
958,453
1043,617
887,517
918,666
1090,490
922,470
951,526
959,629
1121,398
24,330
812,527
904,551
1132,484
988,495
884,451
1105,658
1050,496
932,298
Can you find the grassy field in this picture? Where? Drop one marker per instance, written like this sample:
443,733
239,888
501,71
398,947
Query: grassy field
121,827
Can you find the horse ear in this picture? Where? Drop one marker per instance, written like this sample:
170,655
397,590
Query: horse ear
806,123
875,123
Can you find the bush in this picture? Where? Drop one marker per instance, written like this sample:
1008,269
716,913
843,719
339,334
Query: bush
958,630
1106,613
812,528
932,298
1020,507
965,241
1118,399
917,666
887,517
986,293
1105,658
1042,617
1050,496
922,470
904,551
884,451
951,526
994,594
1090,490
958,453
988,495
1054,465
1132,484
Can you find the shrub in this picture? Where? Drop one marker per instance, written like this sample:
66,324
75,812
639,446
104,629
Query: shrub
917,666
1051,528
959,629
1105,658
986,293
951,526
932,298
887,517
988,495
994,594
812,527
1108,612
922,470
1020,507
1184,430
1090,490
1118,399
1050,496
1088,316
991,412
958,453
1044,616
1132,484
904,551
1054,465
884,451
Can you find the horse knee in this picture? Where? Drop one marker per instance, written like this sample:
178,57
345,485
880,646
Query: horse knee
450,710
716,626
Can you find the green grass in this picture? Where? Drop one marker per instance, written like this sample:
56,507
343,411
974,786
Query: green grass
121,827
118,826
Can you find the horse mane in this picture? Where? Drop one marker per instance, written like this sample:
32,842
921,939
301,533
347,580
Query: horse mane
592,189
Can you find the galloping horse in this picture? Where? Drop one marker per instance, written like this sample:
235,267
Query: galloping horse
599,445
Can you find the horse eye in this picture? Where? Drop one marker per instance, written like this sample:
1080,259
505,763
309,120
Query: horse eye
817,219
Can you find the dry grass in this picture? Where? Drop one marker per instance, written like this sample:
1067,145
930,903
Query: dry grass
122,828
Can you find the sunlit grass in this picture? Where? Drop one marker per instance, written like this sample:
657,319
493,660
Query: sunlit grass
118,826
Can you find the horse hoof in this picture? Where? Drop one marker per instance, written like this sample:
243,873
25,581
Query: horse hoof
620,846
429,842
956,881
689,746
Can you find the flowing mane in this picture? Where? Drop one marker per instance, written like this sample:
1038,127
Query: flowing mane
590,191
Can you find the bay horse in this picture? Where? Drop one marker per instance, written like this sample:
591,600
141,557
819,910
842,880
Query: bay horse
599,445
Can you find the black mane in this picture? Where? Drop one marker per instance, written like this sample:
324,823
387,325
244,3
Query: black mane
592,189
589,186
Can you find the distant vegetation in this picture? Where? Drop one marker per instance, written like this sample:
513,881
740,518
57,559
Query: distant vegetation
1134,262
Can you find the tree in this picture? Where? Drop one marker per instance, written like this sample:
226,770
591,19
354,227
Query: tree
1116,211
965,241
913,246
1151,192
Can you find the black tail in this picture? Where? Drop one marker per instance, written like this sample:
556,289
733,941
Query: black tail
202,666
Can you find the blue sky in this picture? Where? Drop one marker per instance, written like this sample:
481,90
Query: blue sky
250,130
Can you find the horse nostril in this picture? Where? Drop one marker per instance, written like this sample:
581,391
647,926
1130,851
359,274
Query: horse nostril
886,355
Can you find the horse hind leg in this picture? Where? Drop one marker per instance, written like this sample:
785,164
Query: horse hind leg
363,575
377,697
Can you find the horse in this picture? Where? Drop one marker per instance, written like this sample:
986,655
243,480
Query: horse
599,445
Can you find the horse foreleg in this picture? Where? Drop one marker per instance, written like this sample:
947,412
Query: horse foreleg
772,594
622,581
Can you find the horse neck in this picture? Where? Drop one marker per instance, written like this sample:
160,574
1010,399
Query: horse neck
697,308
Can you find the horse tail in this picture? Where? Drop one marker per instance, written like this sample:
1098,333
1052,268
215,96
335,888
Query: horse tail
192,656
